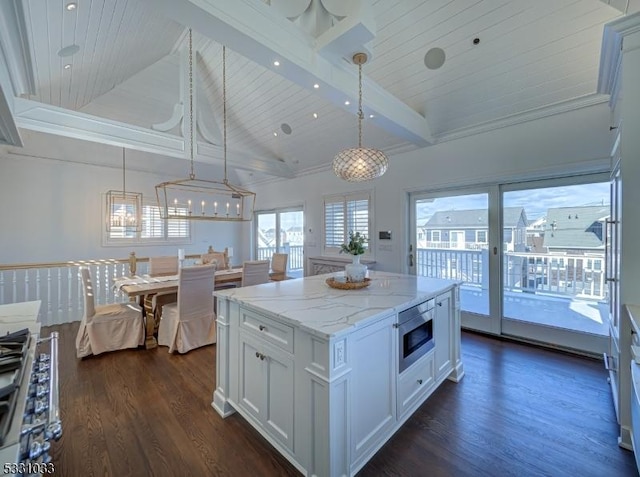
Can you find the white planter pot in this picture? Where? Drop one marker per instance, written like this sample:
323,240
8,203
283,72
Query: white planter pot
355,271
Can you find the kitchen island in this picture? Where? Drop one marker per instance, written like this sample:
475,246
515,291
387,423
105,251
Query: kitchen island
324,374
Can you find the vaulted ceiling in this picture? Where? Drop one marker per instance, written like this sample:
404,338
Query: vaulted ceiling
505,61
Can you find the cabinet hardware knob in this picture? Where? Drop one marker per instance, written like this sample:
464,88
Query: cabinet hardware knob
419,381
262,327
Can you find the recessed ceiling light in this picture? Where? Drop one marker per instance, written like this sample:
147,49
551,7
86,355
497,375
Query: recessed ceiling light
69,50
316,86
315,115
71,6
275,133
371,116
347,103
67,66
276,63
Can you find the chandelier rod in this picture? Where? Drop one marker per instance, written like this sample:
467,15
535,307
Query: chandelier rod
192,175
360,115
124,184
224,109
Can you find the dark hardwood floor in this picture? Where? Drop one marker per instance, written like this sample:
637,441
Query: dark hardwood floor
519,411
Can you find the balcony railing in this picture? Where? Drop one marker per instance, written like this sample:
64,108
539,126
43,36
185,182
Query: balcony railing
58,285
296,257
567,275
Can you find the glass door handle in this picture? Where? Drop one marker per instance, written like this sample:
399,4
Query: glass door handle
411,260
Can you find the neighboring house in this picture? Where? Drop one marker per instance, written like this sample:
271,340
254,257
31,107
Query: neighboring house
535,235
294,235
576,230
468,230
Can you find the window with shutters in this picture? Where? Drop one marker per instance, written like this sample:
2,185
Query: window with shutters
345,213
154,229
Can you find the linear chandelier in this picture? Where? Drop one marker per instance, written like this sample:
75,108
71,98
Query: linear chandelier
199,199
124,209
360,164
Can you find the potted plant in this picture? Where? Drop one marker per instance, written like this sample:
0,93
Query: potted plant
355,271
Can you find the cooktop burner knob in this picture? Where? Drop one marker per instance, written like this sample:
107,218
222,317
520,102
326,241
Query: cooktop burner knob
54,431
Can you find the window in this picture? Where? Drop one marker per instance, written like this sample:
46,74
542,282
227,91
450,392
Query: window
281,230
343,214
435,236
154,229
481,236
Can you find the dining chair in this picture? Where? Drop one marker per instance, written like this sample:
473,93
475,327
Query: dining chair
161,266
279,263
167,265
255,272
107,327
190,323
220,257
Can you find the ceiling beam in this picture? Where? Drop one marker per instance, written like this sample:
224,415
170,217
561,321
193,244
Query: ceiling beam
9,134
255,30
63,122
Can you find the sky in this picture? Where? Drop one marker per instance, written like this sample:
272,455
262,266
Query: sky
535,201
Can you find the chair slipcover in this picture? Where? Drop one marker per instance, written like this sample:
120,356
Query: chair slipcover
161,266
107,327
190,323
255,272
221,258
279,262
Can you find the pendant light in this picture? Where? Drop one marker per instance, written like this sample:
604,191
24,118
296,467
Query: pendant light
199,199
124,209
360,164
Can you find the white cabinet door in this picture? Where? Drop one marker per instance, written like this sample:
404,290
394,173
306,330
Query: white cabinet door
373,385
251,381
266,387
278,371
443,330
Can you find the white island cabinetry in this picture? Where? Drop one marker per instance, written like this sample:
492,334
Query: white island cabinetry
316,370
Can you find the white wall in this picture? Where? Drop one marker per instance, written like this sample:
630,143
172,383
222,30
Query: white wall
52,209
570,143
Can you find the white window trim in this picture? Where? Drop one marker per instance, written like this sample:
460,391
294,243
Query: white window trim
358,195
127,242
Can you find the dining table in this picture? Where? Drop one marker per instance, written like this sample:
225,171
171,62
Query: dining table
141,286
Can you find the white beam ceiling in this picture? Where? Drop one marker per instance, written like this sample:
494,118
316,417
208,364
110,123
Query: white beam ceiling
257,32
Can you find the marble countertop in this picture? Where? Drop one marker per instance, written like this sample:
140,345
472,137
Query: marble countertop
310,304
17,316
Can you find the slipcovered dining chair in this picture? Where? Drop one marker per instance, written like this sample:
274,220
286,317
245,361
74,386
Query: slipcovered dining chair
279,263
167,265
190,323
161,266
255,272
222,261
107,327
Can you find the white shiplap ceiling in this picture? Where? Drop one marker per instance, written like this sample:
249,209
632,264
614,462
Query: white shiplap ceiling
531,57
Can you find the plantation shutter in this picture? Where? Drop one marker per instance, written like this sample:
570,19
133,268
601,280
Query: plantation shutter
342,214
152,224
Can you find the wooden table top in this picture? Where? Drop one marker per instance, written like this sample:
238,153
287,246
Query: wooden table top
144,285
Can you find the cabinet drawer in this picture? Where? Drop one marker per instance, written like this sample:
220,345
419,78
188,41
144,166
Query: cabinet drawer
414,383
270,330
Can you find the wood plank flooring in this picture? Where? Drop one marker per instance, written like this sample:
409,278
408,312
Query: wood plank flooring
519,411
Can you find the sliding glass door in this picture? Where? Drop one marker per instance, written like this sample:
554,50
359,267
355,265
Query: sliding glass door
450,239
554,287
530,256
281,231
